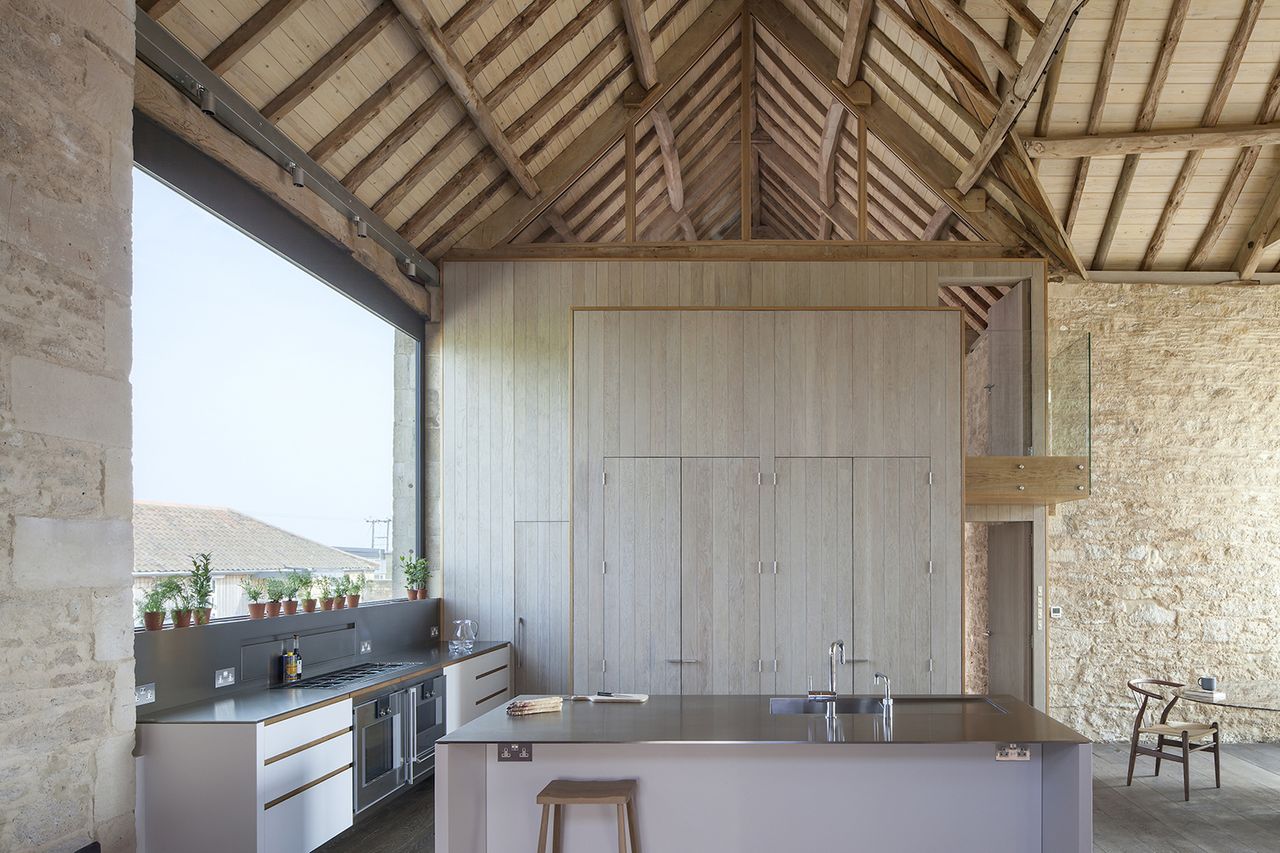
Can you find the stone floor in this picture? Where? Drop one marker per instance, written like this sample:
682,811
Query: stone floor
1149,817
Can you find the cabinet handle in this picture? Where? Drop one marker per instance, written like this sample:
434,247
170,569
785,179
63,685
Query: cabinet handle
683,660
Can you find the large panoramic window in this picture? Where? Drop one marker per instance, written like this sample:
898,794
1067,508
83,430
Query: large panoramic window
275,421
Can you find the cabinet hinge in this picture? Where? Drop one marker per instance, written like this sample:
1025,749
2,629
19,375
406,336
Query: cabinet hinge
931,567
604,568
759,479
604,666
760,567
775,567
775,664
775,478
604,478
931,664
930,478
759,666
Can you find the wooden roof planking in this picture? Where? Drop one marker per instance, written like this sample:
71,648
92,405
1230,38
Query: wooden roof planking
475,123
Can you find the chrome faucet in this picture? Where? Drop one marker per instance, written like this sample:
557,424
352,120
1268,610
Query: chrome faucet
888,691
829,695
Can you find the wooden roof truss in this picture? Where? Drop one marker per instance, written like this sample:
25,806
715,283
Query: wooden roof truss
481,123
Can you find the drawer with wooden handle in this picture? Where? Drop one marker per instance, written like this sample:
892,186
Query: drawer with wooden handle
309,818
290,771
287,733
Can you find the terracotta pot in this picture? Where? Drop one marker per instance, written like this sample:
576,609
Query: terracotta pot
273,608
353,601
412,593
290,607
309,605
326,604
257,609
422,594
339,602
182,618
203,615
153,621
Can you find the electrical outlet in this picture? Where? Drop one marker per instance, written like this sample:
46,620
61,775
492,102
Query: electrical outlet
144,694
515,752
1013,752
224,677
366,646
435,632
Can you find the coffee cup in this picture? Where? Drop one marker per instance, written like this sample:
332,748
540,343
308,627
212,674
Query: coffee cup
1207,682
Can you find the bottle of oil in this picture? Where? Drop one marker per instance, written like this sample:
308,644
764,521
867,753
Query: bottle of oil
297,659
289,663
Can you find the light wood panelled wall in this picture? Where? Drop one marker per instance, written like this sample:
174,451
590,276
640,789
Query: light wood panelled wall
506,400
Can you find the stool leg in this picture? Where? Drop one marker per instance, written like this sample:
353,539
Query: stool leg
622,831
631,823
1186,768
542,833
1217,755
557,835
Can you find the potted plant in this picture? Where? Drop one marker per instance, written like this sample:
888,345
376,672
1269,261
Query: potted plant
290,594
415,576
302,583
155,604
325,585
355,586
254,590
201,581
182,603
275,591
341,585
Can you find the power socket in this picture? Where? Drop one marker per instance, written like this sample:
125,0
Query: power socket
515,752
366,646
435,632
144,694
224,677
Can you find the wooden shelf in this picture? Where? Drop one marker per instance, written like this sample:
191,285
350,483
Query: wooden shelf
1025,480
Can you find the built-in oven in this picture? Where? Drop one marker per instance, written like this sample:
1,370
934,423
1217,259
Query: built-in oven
379,748
426,726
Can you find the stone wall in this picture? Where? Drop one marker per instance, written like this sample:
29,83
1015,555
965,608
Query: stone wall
66,647
977,426
1171,568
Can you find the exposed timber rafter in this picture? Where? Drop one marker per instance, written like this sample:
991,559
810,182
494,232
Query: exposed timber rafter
456,76
606,131
1146,118
1263,233
1191,139
1056,24
848,67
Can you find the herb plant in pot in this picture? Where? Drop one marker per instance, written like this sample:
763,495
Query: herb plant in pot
290,594
341,586
155,604
325,585
183,610
302,581
355,586
254,590
201,583
415,576
275,592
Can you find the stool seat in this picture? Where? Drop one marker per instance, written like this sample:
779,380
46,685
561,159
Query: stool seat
558,793
564,792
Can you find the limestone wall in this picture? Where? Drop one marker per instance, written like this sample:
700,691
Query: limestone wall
1172,566
66,645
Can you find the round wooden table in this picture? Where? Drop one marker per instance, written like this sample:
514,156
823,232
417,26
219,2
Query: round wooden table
1249,695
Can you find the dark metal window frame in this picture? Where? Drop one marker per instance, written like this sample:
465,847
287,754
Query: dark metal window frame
207,183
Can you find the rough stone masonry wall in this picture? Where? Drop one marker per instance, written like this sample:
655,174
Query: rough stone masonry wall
66,641
1171,568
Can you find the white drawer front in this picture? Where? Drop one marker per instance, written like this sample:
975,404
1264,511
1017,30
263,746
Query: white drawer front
477,685
289,774
302,823
304,728
495,679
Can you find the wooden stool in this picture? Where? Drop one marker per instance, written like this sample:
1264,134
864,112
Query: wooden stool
565,792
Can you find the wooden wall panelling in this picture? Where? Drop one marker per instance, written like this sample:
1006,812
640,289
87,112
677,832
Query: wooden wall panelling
892,625
478,434
541,393
760,343
542,606
813,598
719,584
945,342
1010,400
642,584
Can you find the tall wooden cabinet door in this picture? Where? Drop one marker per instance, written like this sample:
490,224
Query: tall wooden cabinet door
719,576
813,588
891,578
641,575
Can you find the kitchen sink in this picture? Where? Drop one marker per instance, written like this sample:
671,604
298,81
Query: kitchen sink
844,705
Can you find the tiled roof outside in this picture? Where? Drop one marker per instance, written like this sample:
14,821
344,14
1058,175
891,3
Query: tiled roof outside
166,535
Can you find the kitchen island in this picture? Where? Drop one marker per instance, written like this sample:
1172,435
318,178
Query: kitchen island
727,773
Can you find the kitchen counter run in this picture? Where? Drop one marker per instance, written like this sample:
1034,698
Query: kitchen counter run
256,705
746,719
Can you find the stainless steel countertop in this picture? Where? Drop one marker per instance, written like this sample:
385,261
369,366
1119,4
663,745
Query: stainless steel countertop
262,703
746,719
